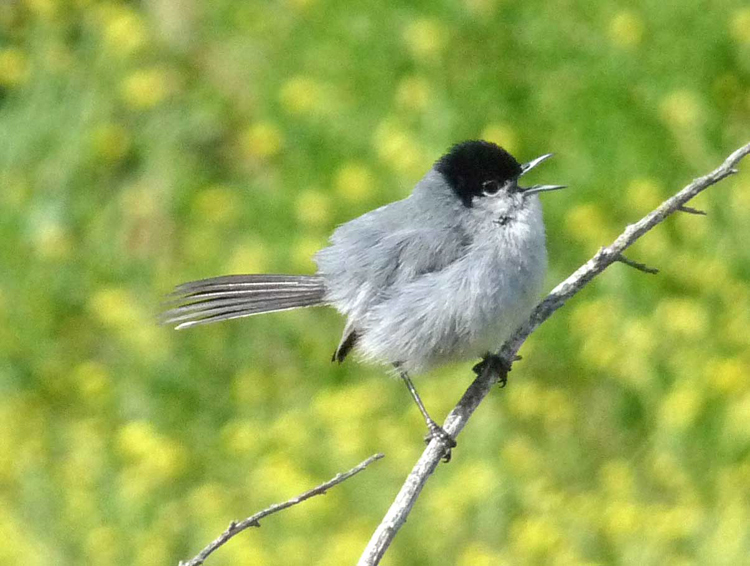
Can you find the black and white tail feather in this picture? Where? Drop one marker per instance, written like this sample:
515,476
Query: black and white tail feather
236,296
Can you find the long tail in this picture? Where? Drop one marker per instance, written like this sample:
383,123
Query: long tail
235,296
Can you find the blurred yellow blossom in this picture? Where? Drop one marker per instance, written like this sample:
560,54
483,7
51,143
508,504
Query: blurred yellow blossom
398,149
93,380
616,478
248,256
685,317
103,546
425,38
644,195
302,95
740,25
728,375
313,207
626,29
476,554
262,140
586,224
521,456
413,93
147,88
681,407
217,204
111,141
115,307
241,437
158,457
124,30
354,181
681,109
534,537
503,135
14,67
524,399
622,518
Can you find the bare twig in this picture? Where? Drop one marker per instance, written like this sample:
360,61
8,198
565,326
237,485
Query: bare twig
254,521
636,265
691,210
458,417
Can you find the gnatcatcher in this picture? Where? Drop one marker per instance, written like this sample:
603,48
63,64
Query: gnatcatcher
445,274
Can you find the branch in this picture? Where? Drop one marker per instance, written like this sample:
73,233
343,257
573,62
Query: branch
254,521
478,390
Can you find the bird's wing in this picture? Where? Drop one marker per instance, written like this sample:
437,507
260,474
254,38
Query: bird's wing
364,266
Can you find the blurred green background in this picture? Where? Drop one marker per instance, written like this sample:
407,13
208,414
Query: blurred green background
143,144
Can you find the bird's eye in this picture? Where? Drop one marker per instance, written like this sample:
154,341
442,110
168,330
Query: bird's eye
491,187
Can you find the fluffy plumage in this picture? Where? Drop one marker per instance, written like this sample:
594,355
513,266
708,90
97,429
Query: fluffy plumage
444,274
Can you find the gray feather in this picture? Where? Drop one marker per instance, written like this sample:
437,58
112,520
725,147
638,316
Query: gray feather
235,296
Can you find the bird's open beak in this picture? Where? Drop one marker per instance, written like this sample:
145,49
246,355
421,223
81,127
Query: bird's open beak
526,167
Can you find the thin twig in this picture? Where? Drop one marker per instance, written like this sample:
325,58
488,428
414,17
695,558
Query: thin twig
478,390
254,521
691,210
636,265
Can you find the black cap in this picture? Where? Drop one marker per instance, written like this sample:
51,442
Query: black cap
469,164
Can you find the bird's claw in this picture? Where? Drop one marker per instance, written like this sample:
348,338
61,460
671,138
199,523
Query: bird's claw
448,442
497,364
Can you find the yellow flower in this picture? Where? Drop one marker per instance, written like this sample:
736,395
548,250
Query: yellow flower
622,518
124,31
643,195
740,25
217,205
585,223
102,546
681,407
249,256
14,67
302,95
626,29
111,142
728,375
503,135
262,140
399,149
616,477
93,380
147,88
413,93
681,109
242,437
534,537
476,554
521,456
354,182
313,207
425,38
685,317
115,307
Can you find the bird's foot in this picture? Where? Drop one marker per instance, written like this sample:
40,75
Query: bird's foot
448,442
497,364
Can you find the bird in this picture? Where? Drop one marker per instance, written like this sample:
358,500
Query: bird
443,275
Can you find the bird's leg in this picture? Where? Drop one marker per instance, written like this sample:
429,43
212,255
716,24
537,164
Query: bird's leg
497,364
435,430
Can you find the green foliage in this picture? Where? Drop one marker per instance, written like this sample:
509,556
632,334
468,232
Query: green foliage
145,144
